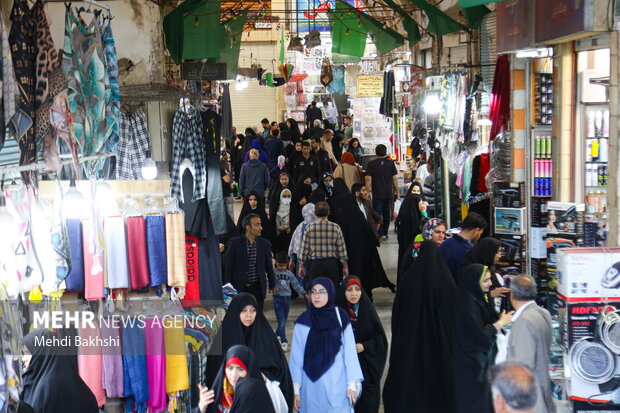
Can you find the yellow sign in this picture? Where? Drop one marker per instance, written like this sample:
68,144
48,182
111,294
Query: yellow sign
369,86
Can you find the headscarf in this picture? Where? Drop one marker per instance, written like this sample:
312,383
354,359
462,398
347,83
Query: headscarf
419,185
259,337
260,211
368,330
225,395
357,152
349,159
281,161
274,196
284,210
324,339
309,217
262,155
294,128
422,323
300,191
470,279
52,383
407,225
329,189
429,227
483,252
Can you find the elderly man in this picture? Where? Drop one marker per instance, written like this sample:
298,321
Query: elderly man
326,145
530,338
513,387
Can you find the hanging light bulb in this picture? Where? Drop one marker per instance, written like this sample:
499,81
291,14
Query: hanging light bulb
149,167
347,32
432,104
74,204
196,22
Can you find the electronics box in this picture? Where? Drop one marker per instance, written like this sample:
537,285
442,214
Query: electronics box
578,320
510,221
538,213
509,194
565,218
587,274
583,407
513,247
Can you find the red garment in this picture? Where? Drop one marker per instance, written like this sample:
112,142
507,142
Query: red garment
485,166
192,288
349,159
500,97
136,252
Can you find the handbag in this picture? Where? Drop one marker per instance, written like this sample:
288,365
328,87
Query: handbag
277,397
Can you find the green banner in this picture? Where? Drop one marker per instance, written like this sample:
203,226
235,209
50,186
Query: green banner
474,16
439,23
471,3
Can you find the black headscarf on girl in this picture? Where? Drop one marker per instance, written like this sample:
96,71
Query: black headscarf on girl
52,383
274,198
474,341
421,337
250,135
368,331
419,185
258,397
324,340
483,252
260,211
357,152
300,191
294,128
285,132
407,225
259,337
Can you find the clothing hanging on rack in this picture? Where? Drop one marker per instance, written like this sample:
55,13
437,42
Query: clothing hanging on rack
177,376
90,364
116,268
175,248
10,92
156,249
188,142
93,274
155,365
22,40
133,145
136,386
112,361
75,279
136,252
212,123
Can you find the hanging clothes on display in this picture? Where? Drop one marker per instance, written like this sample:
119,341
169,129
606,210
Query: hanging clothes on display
175,247
90,364
10,92
387,101
132,146
156,249
500,97
75,279
112,361
135,376
212,123
85,71
116,265
113,99
93,270
136,252
188,142
22,40
155,365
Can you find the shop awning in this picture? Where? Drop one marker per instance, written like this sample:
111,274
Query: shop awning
439,23
471,3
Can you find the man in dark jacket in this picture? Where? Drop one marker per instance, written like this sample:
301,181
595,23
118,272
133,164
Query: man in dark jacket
306,165
324,162
313,113
274,148
455,248
248,265
363,202
254,176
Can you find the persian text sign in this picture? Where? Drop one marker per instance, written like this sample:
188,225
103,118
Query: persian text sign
369,86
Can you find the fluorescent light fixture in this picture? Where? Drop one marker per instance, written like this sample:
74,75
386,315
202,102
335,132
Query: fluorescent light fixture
535,53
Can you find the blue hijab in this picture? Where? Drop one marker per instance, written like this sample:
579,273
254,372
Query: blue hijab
325,337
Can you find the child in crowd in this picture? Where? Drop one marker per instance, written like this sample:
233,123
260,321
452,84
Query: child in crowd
285,280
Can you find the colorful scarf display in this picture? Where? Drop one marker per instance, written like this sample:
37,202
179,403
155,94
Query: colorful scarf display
136,252
116,266
175,249
155,366
156,249
177,375
136,384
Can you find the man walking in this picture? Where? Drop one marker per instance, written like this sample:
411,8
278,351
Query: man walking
382,183
254,176
313,113
327,146
455,248
513,387
248,265
323,248
529,339
322,155
363,203
331,114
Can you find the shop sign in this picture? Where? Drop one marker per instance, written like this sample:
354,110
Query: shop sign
369,86
203,71
557,19
515,25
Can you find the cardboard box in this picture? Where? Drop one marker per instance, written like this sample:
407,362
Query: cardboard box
587,274
510,221
539,215
509,194
565,218
583,407
513,247
578,320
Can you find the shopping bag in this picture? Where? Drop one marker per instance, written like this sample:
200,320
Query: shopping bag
277,398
